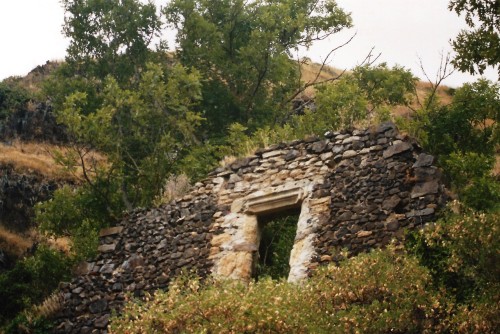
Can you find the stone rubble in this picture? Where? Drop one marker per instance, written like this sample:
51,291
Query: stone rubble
355,190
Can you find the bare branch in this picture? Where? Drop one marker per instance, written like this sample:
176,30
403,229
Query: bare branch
368,59
442,73
320,70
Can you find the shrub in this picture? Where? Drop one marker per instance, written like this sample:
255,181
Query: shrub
470,177
12,98
462,252
31,280
378,292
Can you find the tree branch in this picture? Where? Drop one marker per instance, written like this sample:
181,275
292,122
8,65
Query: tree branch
318,73
442,73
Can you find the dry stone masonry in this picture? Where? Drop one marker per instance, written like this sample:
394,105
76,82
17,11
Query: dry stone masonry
355,190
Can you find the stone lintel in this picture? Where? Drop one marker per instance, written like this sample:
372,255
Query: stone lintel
272,201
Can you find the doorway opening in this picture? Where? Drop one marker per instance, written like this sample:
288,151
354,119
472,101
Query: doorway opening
277,236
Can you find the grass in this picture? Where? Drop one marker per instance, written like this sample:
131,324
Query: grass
13,243
17,244
309,71
39,158
31,158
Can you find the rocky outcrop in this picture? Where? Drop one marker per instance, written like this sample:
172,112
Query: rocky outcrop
19,193
354,190
37,123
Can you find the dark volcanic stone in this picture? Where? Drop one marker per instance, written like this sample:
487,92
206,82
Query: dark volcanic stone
102,322
98,306
397,148
292,154
423,160
319,146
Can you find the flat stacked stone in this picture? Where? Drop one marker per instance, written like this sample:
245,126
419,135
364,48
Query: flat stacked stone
363,189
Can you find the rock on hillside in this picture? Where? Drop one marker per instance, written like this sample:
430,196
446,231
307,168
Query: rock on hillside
34,122
18,195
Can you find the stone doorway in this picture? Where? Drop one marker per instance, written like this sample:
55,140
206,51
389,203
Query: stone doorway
277,234
235,251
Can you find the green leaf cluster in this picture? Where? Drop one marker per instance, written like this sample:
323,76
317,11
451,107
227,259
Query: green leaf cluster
470,123
478,48
31,280
461,250
380,292
358,99
243,51
276,243
13,97
109,37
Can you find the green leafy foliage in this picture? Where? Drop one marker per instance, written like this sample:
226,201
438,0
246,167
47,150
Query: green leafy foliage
478,48
243,51
31,280
378,292
470,123
461,251
142,132
143,113
385,86
470,177
465,136
353,100
78,214
109,37
276,243
12,98
339,105
23,322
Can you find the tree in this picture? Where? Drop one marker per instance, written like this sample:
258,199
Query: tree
109,37
480,47
352,99
243,51
142,132
112,37
469,124
339,105
385,86
128,110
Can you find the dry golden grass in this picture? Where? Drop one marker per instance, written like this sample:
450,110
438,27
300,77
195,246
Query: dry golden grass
50,306
424,88
29,158
17,244
63,244
310,70
13,243
175,186
39,158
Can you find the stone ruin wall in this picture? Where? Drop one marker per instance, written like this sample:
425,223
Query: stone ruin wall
355,190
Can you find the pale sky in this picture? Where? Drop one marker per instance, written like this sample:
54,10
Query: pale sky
402,30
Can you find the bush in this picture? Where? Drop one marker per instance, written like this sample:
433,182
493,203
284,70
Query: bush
469,124
378,292
462,252
31,280
470,177
80,214
12,98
